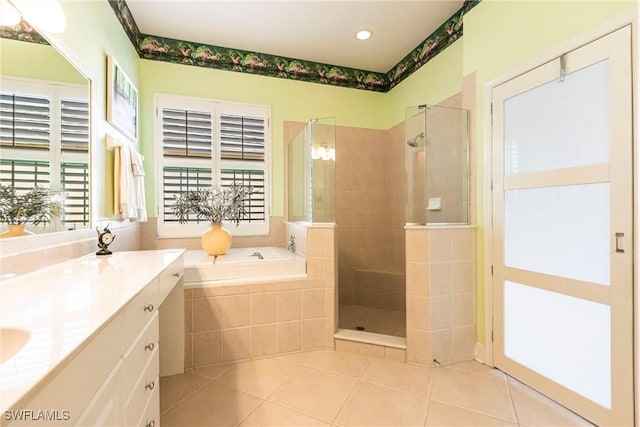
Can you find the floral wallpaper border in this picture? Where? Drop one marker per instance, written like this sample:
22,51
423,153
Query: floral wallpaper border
210,56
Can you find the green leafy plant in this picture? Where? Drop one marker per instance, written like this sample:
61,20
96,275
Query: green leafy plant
214,206
34,206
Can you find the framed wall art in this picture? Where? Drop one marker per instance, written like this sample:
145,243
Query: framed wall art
122,100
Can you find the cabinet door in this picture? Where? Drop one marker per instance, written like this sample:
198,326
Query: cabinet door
105,409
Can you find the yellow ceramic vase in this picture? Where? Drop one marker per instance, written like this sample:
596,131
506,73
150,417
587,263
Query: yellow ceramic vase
15,230
216,240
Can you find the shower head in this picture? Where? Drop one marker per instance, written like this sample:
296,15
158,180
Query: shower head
415,142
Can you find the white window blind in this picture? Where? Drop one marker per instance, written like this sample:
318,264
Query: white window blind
25,121
210,144
44,141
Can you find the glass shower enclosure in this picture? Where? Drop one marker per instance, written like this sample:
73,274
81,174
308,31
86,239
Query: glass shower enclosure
312,173
437,165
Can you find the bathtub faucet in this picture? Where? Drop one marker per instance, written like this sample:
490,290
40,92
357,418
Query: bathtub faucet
258,254
291,245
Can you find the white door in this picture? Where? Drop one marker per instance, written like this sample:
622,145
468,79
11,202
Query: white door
562,229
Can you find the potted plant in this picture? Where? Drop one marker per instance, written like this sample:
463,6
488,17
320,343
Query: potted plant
214,206
20,208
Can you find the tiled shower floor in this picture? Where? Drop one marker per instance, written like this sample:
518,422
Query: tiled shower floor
332,388
376,320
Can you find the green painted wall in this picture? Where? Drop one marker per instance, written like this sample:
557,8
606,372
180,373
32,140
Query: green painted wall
502,35
289,100
92,33
36,61
437,80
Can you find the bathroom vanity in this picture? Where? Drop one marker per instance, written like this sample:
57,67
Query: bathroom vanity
84,342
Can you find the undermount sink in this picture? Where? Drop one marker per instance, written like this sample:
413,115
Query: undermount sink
11,341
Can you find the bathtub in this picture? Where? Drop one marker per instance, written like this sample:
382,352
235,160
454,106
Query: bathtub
241,263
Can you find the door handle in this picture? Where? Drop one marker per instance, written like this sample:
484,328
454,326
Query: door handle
619,247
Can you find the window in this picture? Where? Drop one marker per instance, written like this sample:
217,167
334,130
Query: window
44,141
211,144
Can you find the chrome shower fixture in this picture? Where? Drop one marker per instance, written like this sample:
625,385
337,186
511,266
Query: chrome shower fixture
415,142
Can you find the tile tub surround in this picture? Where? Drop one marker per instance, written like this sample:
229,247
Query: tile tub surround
322,388
64,306
227,322
441,293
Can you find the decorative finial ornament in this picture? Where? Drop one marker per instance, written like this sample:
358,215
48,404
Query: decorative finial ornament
105,237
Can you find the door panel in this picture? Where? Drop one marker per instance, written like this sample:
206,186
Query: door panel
562,205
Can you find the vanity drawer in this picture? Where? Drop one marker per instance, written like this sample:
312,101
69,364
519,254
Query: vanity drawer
169,277
144,389
151,416
139,311
106,406
139,354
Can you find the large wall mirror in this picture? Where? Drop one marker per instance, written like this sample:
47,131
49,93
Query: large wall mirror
44,127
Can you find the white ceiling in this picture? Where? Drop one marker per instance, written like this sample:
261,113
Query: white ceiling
320,31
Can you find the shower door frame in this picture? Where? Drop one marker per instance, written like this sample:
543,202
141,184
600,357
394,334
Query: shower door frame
485,351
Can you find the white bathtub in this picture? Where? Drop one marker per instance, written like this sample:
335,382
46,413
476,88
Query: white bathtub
240,263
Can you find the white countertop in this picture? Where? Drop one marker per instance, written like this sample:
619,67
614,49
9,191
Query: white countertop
63,306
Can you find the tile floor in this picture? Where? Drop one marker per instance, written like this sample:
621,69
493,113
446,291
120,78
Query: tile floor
332,388
377,320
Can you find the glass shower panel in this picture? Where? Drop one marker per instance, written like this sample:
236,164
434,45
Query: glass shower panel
415,121
447,166
299,178
323,169
536,130
576,330
437,165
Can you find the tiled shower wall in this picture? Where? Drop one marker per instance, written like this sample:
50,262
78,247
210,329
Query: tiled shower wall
441,294
250,320
370,219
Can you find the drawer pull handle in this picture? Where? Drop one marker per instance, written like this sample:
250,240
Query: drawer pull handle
148,307
151,423
151,385
176,274
150,346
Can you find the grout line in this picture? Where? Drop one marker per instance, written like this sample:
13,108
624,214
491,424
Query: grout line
429,395
353,389
511,398
191,393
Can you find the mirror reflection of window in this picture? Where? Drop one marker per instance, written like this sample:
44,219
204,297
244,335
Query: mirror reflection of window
44,126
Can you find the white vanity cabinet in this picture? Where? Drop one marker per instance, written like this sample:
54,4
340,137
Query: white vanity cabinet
113,378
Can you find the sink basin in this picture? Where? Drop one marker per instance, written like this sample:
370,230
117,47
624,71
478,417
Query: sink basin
11,341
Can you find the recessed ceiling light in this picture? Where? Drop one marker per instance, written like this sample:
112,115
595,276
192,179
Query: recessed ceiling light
363,35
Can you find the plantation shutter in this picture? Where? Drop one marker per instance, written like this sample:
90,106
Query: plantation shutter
25,121
204,144
187,150
75,187
242,156
23,175
74,126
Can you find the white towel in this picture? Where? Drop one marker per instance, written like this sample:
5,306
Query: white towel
128,174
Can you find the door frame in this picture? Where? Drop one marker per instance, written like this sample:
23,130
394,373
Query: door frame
485,352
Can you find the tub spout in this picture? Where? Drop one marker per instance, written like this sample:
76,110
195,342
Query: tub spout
258,254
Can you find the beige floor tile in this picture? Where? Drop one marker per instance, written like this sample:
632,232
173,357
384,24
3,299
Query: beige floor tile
212,372
374,405
378,320
442,415
177,387
295,357
258,377
272,415
478,368
534,409
480,393
213,405
314,392
398,375
338,361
